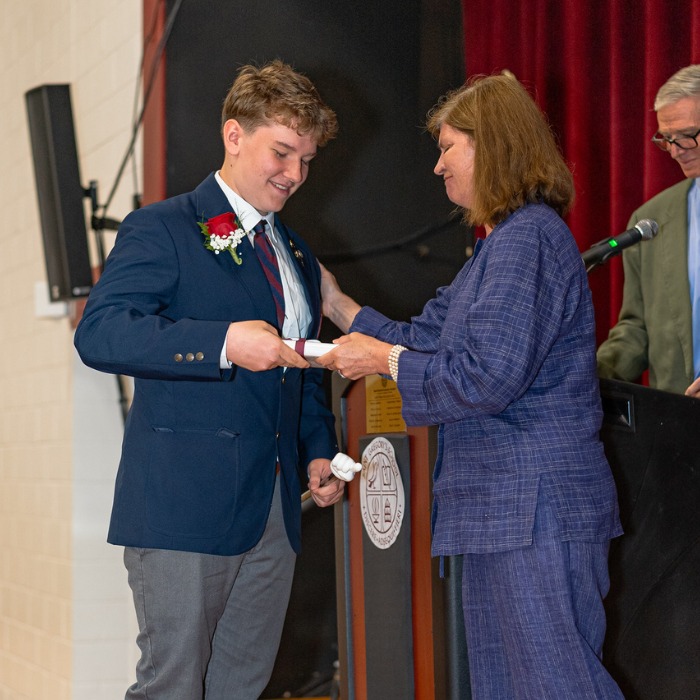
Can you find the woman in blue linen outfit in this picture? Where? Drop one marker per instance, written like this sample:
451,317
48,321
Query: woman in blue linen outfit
503,361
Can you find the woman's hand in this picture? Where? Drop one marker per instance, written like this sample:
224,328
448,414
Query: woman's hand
357,355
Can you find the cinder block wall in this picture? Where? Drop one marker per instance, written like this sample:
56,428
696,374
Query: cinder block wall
66,627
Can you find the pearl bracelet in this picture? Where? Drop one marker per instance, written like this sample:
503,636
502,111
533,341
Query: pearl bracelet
394,361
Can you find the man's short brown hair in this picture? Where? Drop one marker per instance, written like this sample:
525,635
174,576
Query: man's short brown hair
276,92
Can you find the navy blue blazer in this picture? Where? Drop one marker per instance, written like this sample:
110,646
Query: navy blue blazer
197,469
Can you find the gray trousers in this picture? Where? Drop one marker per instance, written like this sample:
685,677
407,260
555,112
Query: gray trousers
210,626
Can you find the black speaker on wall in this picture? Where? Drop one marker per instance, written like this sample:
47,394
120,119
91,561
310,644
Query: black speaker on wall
59,191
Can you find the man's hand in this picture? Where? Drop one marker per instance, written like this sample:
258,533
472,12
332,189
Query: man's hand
694,389
332,490
256,345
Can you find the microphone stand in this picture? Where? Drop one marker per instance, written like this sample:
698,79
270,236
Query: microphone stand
602,260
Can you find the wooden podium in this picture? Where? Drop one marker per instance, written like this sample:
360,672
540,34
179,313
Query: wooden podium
399,624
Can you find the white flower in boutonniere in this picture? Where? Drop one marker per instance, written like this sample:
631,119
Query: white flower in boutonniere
223,232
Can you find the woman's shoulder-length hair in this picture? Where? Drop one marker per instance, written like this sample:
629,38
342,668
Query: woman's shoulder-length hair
516,159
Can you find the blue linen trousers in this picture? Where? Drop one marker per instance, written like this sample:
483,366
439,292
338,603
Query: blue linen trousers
535,621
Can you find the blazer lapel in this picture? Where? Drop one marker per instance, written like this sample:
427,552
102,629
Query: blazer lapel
211,201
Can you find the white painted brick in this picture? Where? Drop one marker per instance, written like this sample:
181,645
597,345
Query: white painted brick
46,522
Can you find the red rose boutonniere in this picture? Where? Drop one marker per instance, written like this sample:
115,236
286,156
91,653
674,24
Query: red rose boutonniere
223,232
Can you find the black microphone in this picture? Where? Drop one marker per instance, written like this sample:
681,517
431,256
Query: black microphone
601,252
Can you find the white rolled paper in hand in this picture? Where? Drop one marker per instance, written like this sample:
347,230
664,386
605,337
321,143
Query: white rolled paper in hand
309,348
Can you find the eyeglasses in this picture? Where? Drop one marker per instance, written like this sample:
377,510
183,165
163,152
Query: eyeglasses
684,141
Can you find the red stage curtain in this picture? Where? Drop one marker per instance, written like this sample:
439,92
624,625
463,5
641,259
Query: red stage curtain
594,67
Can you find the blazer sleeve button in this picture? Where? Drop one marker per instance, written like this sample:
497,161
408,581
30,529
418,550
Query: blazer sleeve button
199,356
189,357
177,357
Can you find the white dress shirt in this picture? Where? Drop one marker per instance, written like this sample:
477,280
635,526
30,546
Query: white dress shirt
297,315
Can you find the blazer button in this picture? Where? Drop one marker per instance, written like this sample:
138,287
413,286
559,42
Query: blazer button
178,357
199,356
189,357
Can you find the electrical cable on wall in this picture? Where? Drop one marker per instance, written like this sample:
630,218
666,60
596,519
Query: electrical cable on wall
155,64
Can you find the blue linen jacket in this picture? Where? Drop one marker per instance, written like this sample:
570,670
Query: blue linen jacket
197,469
503,359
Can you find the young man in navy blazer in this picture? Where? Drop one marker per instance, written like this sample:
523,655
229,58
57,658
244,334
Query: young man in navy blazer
227,422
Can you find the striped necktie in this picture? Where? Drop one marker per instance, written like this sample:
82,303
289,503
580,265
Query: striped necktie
268,260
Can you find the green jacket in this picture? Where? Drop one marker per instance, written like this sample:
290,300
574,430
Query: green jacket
654,329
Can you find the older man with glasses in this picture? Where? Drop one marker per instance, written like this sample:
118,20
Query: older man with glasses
659,324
